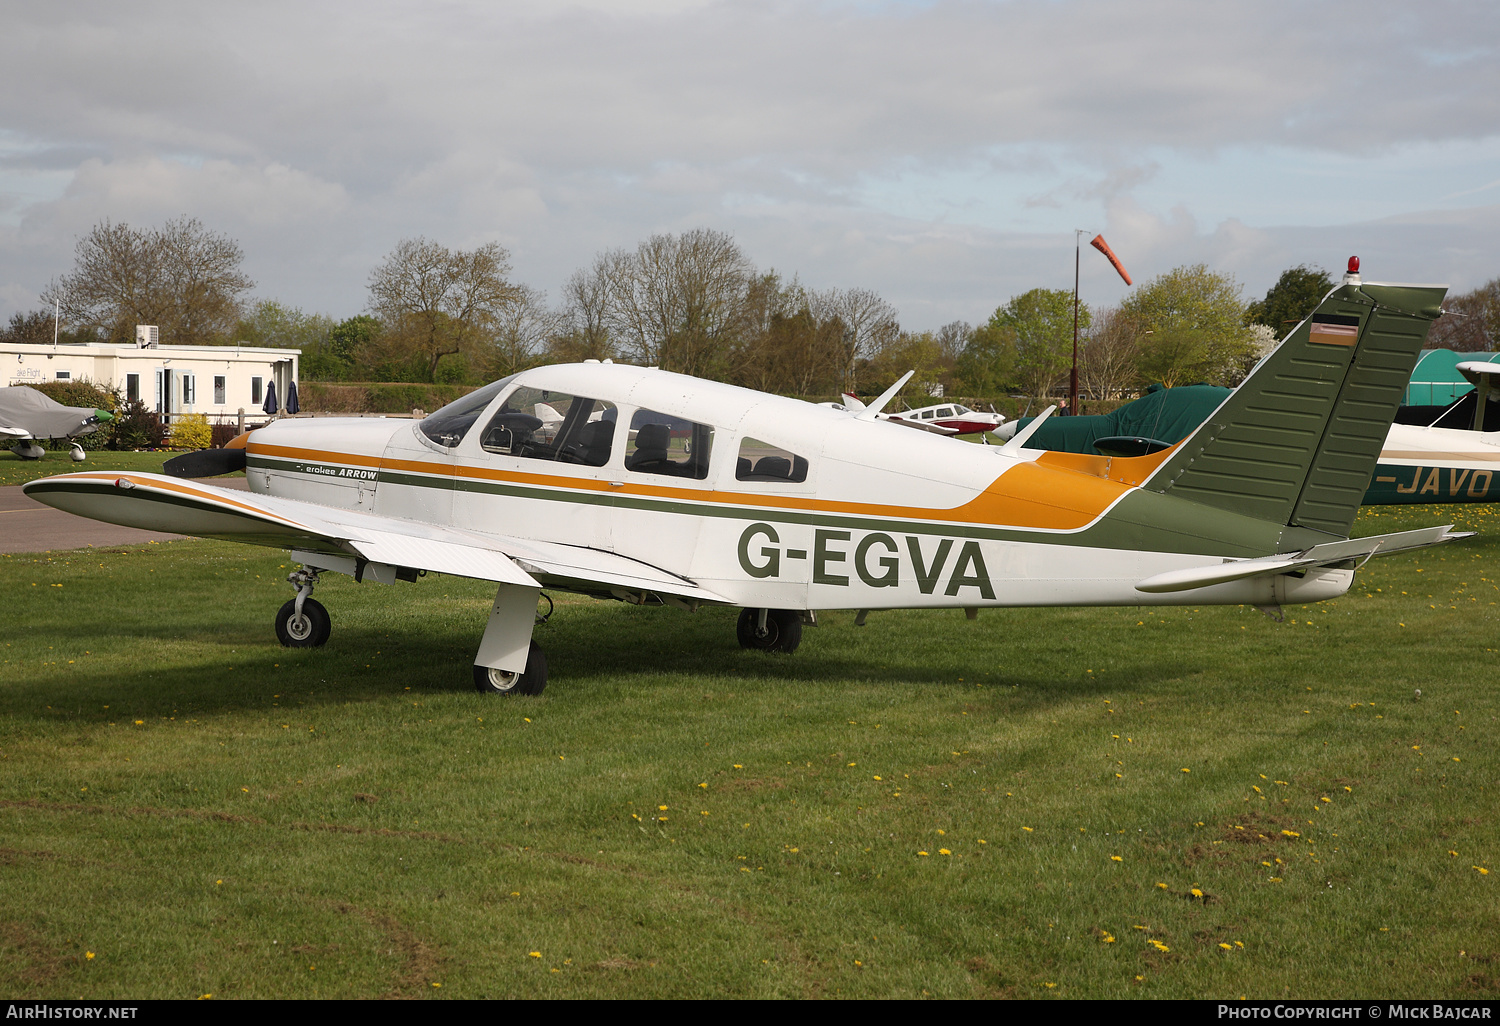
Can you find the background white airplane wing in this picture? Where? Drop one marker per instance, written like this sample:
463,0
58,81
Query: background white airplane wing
160,503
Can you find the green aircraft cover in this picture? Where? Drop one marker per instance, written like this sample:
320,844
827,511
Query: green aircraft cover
1164,414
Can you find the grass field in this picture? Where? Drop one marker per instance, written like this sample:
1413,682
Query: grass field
1188,802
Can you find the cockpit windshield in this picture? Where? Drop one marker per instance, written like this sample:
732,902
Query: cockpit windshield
448,426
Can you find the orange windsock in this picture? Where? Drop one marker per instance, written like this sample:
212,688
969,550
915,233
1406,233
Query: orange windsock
1109,254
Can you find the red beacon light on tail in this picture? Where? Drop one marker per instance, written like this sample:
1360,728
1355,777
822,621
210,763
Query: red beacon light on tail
1351,276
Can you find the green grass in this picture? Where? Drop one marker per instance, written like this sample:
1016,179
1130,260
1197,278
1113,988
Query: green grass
15,471
206,812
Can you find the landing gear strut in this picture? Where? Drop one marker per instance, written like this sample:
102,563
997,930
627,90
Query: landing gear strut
303,622
770,630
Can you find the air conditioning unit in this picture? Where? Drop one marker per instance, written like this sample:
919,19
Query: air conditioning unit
145,336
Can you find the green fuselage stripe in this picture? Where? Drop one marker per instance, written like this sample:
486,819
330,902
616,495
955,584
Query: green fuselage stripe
1141,520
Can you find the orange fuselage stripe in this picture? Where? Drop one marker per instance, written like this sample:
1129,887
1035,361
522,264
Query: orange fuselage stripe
1060,491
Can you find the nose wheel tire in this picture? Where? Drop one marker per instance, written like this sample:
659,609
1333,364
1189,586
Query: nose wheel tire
783,631
307,629
531,681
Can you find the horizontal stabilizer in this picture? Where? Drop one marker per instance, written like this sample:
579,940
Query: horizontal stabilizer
1327,554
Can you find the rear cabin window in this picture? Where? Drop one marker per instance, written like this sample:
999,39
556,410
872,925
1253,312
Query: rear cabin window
662,444
538,424
762,461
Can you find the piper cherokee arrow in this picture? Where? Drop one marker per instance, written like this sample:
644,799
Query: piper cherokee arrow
651,487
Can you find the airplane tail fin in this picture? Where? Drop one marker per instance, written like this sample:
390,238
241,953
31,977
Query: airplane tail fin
1297,442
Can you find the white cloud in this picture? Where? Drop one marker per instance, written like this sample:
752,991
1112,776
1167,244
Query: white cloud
934,151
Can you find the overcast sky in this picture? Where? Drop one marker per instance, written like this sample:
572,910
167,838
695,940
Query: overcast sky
940,153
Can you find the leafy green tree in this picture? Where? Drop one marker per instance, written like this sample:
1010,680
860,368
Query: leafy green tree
987,364
1042,325
272,324
1296,294
349,338
1191,326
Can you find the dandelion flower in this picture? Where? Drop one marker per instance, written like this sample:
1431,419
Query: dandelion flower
944,851
534,954
922,853
1108,938
1115,858
1162,886
89,955
1226,947
1028,830
1196,893
1482,870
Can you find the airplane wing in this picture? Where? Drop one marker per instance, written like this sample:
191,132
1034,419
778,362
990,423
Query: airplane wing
351,540
13,434
922,425
1327,554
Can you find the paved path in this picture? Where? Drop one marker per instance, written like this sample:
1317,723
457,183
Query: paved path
28,526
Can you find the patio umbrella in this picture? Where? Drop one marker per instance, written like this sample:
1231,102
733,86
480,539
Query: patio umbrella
292,406
270,403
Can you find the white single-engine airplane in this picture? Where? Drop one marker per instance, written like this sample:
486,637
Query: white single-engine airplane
28,417
661,488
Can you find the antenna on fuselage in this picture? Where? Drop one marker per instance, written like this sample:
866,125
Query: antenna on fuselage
869,412
1023,436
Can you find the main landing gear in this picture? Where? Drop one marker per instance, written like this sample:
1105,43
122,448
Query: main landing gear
303,622
770,630
531,681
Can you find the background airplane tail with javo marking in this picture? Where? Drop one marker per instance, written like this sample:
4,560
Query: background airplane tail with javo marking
1297,442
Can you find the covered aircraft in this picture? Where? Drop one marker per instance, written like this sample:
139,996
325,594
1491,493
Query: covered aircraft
659,488
1442,454
27,416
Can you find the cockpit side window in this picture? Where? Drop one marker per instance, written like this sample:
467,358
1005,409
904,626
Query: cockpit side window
448,426
538,424
762,461
662,444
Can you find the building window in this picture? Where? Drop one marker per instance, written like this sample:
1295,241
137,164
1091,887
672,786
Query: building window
218,390
64,375
189,389
133,387
255,396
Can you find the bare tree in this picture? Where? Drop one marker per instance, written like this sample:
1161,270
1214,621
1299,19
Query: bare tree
522,331
182,277
582,332
1106,364
437,302
870,324
674,302
1470,322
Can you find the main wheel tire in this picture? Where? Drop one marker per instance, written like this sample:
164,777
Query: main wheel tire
310,629
783,630
531,681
